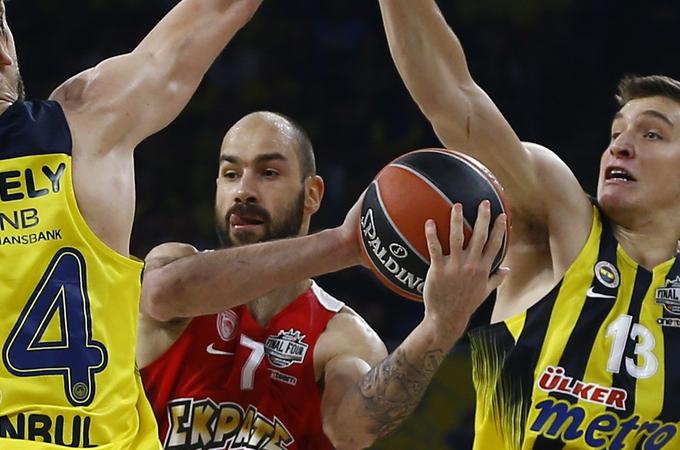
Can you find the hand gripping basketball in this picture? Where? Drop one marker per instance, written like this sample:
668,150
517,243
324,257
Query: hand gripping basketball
457,283
412,189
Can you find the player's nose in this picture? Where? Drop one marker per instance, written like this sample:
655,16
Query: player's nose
623,146
246,191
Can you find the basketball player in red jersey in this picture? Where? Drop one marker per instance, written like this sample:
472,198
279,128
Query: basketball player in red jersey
294,368
591,306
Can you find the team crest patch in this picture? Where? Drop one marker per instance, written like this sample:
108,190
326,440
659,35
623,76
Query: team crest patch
227,323
607,274
286,348
669,296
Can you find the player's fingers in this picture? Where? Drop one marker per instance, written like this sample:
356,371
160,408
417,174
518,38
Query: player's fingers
434,247
456,233
480,232
496,238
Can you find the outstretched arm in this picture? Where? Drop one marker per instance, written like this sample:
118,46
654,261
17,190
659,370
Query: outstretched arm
360,403
129,97
431,61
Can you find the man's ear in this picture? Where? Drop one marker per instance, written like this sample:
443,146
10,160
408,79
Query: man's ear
314,189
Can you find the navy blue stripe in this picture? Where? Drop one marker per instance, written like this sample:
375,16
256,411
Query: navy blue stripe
520,363
670,412
34,128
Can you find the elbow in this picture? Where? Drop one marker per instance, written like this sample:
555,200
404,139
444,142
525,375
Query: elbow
345,437
156,301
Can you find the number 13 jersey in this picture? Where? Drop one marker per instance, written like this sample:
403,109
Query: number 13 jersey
69,303
592,365
229,383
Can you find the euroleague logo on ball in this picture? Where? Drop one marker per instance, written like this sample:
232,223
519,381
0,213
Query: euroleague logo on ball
398,250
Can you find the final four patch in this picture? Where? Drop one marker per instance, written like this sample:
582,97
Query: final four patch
286,348
669,296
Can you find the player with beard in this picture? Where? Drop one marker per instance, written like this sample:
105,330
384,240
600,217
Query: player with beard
294,368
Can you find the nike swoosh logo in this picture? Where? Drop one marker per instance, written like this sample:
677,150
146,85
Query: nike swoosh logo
213,351
593,294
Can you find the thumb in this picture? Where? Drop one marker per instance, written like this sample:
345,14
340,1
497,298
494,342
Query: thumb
497,278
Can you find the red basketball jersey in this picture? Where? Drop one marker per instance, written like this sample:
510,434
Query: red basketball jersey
229,383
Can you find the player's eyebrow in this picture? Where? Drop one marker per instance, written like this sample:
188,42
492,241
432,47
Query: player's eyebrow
265,157
650,113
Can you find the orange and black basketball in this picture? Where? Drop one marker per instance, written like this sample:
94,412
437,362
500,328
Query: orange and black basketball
422,185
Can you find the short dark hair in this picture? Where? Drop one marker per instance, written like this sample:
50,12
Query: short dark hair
305,150
632,87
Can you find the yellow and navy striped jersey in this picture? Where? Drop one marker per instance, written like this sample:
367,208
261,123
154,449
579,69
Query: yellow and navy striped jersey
69,304
591,365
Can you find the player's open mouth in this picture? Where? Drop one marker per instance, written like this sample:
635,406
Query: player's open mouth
618,174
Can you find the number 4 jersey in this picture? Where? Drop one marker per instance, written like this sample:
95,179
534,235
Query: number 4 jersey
69,303
592,365
229,383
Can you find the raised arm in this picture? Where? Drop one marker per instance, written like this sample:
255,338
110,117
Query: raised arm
432,63
124,99
364,400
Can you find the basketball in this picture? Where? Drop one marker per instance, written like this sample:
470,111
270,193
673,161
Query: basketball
422,185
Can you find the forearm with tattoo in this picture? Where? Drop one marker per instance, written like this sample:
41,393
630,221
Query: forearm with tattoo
392,389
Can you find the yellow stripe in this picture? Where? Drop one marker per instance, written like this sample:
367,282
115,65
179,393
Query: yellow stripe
571,297
516,325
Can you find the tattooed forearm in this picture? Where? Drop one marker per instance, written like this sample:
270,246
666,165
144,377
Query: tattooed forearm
392,390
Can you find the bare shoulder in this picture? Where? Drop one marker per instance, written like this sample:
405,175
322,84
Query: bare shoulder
569,212
87,119
102,87
99,104
549,165
348,334
543,244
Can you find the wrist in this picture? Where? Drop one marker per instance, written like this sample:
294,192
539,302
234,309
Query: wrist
343,249
443,332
